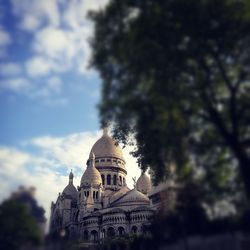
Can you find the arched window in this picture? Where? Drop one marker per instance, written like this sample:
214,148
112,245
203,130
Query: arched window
85,235
103,234
94,194
111,232
108,179
114,179
121,231
94,236
124,182
77,216
103,179
120,179
134,229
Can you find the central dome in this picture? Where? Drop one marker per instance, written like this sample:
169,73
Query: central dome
106,147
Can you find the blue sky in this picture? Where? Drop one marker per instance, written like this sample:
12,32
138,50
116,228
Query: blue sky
48,95
46,87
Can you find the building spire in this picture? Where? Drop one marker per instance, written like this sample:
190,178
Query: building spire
71,176
92,159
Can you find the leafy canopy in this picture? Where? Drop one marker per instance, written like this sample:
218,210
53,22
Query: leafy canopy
176,75
18,227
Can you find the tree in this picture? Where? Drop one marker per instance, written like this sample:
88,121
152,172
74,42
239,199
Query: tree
18,227
176,74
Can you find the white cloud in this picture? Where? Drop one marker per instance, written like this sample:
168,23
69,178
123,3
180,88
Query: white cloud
58,40
47,90
53,42
20,168
10,69
71,151
4,38
30,23
60,36
75,15
65,49
48,168
34,13
17,84
38,66
9,164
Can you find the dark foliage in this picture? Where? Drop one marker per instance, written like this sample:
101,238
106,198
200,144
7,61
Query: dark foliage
18,226
176,75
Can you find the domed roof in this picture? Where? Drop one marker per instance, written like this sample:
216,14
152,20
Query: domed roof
106,147
70,190
144,184
133,196
91,175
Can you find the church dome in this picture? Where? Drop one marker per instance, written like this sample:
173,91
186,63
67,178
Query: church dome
70,190
106,147
91,175
133,196
144,184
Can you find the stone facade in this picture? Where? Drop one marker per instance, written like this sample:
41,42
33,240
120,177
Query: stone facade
103,206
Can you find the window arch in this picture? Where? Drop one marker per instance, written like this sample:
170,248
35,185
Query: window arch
85,235
111,232
134,229
93,235
103,179
121,231
103,233
114,179
108,179
120,179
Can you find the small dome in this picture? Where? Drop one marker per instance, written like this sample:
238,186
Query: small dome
70,191
144,184
133,196
106,147
91,176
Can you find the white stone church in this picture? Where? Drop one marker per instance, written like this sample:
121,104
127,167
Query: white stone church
103,206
